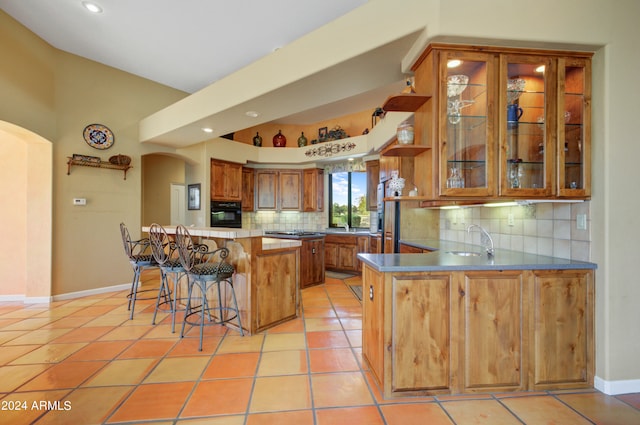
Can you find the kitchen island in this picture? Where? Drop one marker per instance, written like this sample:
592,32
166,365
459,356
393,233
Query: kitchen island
266,280
444,323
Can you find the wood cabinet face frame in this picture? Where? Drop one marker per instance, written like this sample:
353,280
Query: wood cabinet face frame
558,166
248,189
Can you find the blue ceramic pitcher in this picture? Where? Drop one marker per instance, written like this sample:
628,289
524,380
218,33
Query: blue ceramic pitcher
514,112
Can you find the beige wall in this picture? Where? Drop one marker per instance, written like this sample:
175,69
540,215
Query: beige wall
87,241
13,254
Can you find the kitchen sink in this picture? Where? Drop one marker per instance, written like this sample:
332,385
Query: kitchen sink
465,253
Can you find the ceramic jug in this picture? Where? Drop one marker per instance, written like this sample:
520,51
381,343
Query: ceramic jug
514,112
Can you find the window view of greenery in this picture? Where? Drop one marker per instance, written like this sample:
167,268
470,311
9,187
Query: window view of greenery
348,200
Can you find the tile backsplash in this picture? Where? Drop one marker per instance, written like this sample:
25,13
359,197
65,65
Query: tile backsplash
543,228
271,220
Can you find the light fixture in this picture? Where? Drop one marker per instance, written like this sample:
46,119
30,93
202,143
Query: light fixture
207,130
454,63
252,114
92,7
349,159
450,207
540,69
501,204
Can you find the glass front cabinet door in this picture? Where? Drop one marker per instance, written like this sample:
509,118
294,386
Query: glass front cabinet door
527,122
466,130
574,128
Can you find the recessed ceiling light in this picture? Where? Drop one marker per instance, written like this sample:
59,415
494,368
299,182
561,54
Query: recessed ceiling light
207,130
92,7
252,114
454,63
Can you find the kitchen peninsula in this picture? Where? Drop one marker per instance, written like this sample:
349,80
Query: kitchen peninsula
267,273
459,321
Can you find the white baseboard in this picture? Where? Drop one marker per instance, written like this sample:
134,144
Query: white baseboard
38,300
62,297
87,292
24,299
12,298
626,386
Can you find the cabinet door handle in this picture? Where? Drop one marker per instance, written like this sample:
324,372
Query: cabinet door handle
371,292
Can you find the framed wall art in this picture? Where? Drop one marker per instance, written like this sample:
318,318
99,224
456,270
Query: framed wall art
193,196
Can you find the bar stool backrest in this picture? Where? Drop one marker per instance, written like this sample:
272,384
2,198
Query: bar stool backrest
161,246
126,240
186,250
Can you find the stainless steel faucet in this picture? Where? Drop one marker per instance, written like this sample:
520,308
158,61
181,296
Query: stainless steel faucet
485,239
346,227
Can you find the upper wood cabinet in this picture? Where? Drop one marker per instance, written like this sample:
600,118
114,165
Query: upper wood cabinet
504,123
313,189
373,178
248,189
279,190
290,190
226,181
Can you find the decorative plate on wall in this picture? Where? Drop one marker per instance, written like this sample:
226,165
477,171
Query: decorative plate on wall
98,136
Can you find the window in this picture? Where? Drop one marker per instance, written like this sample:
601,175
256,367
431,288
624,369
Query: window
348,199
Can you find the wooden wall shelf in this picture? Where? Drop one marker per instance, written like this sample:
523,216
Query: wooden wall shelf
407,102
101,164
404,150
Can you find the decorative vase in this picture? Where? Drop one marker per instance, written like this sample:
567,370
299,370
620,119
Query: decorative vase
257,139
302,141
404,133
279,141
396,184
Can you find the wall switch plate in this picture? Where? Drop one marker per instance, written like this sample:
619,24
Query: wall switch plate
581,221
79,201
511,220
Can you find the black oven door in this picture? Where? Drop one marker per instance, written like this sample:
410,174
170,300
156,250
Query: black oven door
226,214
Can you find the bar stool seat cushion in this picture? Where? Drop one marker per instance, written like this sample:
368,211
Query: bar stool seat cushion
143,258
221,270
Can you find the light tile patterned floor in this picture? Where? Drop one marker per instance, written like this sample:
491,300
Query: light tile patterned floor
83,362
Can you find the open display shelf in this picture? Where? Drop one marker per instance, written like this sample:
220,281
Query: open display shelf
100,164
406,102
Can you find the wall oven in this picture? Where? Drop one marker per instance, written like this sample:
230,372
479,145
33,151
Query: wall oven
226,214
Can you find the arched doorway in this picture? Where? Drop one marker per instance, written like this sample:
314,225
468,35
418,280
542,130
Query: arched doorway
26,173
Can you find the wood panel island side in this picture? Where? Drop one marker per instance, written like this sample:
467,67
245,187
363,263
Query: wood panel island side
439,323
266,281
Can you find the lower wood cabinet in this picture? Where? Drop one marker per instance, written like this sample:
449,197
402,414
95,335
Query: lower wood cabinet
375,244
478,331
410,249
562,319
275,291
341,251
312,262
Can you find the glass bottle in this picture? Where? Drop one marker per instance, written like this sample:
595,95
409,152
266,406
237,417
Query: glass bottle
302,141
